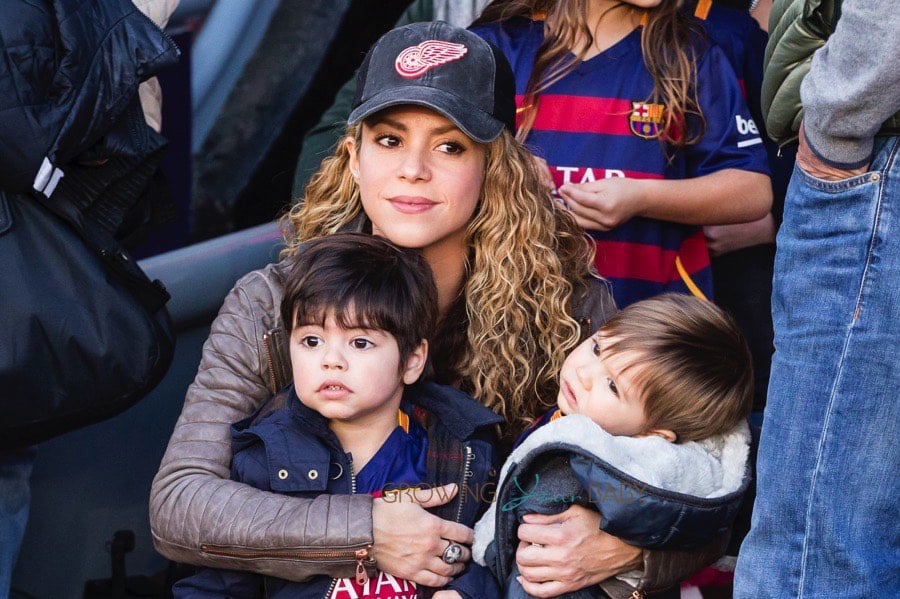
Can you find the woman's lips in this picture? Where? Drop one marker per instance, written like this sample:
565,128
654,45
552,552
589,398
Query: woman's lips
411,204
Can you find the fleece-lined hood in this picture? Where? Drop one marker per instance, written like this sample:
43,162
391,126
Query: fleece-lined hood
650,493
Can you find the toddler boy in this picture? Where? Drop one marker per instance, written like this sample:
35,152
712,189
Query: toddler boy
649,429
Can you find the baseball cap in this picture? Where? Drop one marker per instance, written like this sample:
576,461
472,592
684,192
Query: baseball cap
446,68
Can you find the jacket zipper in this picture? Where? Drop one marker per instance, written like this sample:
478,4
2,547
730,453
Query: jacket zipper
464,486
362,577
274,359
309,554
362,556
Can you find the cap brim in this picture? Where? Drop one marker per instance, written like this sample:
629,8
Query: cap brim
474,122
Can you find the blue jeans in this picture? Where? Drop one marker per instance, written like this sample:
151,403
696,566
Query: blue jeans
825,522
15,497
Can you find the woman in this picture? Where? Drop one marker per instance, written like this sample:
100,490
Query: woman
429,161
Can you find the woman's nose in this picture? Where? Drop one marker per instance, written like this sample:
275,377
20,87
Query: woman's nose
414,165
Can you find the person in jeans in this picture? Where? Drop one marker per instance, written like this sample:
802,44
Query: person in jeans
829,461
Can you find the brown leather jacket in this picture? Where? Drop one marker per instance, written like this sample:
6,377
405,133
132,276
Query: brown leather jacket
199,516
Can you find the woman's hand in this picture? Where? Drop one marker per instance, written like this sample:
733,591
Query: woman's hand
603,204
447,595
568,551
410,542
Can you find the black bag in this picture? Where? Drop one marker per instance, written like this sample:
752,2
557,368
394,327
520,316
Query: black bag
84,334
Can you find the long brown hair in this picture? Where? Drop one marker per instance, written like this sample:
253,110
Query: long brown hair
669,44
512,321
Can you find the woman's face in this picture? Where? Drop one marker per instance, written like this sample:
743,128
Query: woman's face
419,176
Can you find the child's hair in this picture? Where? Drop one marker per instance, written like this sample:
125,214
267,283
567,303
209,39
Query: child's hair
362,281
668,43
510,330
693,365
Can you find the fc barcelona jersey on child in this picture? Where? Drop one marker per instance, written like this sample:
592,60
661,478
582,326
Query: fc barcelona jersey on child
597,123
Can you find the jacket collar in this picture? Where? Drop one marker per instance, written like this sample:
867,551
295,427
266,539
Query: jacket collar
456,411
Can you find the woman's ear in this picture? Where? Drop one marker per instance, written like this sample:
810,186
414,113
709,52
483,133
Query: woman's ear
350,145
415,363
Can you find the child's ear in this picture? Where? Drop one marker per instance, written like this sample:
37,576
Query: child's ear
665,433
415,363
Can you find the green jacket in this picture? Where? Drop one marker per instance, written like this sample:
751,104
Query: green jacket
797,28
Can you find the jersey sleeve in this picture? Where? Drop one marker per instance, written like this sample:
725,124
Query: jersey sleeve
730,137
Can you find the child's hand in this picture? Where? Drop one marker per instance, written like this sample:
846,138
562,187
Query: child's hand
721,239
447,595
604,204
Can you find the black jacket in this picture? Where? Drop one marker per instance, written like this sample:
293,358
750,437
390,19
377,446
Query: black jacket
71,125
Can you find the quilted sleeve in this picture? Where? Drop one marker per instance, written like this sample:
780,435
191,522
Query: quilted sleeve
198,515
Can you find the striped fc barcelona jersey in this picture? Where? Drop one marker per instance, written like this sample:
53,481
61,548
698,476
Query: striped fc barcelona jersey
597,123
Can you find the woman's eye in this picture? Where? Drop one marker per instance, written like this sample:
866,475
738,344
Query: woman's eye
362,344
310,341
451,147
388,141
612,387
595,347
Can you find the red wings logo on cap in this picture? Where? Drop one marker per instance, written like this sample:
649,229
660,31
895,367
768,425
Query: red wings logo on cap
415,61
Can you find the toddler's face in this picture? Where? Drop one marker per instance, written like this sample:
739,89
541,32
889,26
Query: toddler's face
595,384
350,375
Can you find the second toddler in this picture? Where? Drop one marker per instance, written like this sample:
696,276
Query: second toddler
649,430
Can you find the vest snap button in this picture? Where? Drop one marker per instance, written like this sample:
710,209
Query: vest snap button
282,474
875,177
313,474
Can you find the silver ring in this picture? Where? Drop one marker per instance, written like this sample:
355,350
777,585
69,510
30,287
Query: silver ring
452,553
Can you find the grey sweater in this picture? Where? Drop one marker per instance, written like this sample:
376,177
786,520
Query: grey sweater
853,85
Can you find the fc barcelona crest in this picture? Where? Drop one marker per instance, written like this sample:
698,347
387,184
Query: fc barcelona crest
646,119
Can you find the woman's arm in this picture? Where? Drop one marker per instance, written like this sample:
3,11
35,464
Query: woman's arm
722,197
199,516
565,552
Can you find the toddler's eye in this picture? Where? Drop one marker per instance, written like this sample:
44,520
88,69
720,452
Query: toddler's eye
362,344
310,341
612,387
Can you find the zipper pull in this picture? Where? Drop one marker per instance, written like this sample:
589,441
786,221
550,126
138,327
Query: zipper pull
362,577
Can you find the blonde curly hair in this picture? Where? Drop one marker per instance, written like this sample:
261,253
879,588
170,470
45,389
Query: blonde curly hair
525,254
